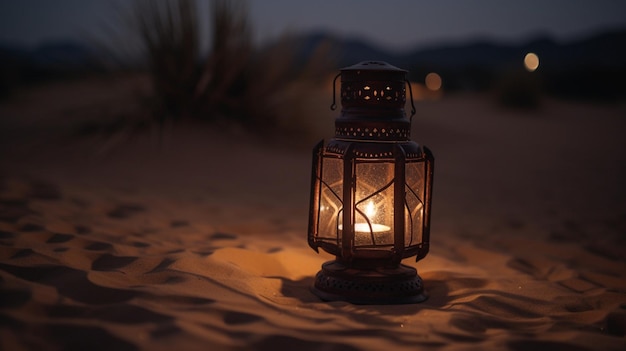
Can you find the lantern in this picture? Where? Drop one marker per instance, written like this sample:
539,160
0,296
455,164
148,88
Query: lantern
371,193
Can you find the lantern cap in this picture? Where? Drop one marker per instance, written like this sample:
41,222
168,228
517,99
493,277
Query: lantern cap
373,66
368,71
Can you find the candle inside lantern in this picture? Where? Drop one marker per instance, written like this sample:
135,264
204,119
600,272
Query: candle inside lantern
370,233
365,228
370,213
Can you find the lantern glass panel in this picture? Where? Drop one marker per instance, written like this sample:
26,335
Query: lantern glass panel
374,193
331,206
414,201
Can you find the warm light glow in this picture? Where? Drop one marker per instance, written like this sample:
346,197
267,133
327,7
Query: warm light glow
370,210
365,228
433,81
531,61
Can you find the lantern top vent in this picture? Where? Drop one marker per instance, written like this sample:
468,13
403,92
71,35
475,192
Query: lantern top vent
373,96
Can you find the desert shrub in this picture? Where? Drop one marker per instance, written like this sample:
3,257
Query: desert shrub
234,81
169,33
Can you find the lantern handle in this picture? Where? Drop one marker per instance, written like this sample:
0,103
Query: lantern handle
334,105
412,103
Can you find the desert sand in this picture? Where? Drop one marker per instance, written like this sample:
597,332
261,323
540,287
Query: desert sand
196,240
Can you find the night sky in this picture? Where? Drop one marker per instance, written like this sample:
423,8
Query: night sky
391,24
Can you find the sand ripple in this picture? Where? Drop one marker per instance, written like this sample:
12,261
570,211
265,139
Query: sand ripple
118,267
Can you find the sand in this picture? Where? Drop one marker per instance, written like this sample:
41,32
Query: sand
197,239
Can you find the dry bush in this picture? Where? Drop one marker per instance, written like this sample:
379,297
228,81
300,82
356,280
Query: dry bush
169,33
235,81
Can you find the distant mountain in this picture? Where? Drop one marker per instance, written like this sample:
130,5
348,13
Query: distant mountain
58,54
52,60
605,49
63,54
590,67
475,54
578,66
346,50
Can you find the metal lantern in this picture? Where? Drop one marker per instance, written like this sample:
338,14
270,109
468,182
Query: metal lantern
371,193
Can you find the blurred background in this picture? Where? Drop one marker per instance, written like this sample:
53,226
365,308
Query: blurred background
134,132
522,102
262,63
217,104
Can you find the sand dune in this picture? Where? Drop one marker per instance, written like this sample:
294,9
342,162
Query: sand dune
199,243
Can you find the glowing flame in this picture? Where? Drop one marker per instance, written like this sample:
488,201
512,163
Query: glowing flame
370,227
531,61
370,210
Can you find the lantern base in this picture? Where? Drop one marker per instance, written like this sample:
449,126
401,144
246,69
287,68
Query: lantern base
378,286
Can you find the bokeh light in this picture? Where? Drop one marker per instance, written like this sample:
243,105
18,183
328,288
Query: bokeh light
433,81
531,61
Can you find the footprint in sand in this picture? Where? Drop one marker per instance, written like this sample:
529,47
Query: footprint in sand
7,239
178,223
30,227
6,235
108,262
236,318
204,251
124,211
523,345
165,330
165,263
616,321
82,337
23,253
223,236
82,229
59,238
140,244
285,342
12,210
122,313
70,282
12,298
98,246
544,269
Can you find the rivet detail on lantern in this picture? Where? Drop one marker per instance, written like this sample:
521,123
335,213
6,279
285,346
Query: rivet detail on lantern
374,133
371,155
400,291
335,149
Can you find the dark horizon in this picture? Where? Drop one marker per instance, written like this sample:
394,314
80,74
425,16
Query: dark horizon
392,25
592,67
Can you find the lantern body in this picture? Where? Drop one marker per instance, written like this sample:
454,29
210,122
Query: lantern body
370,193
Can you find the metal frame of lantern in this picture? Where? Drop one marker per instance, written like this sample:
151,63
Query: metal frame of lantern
371,193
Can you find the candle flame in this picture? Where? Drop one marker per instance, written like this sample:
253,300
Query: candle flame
370,210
